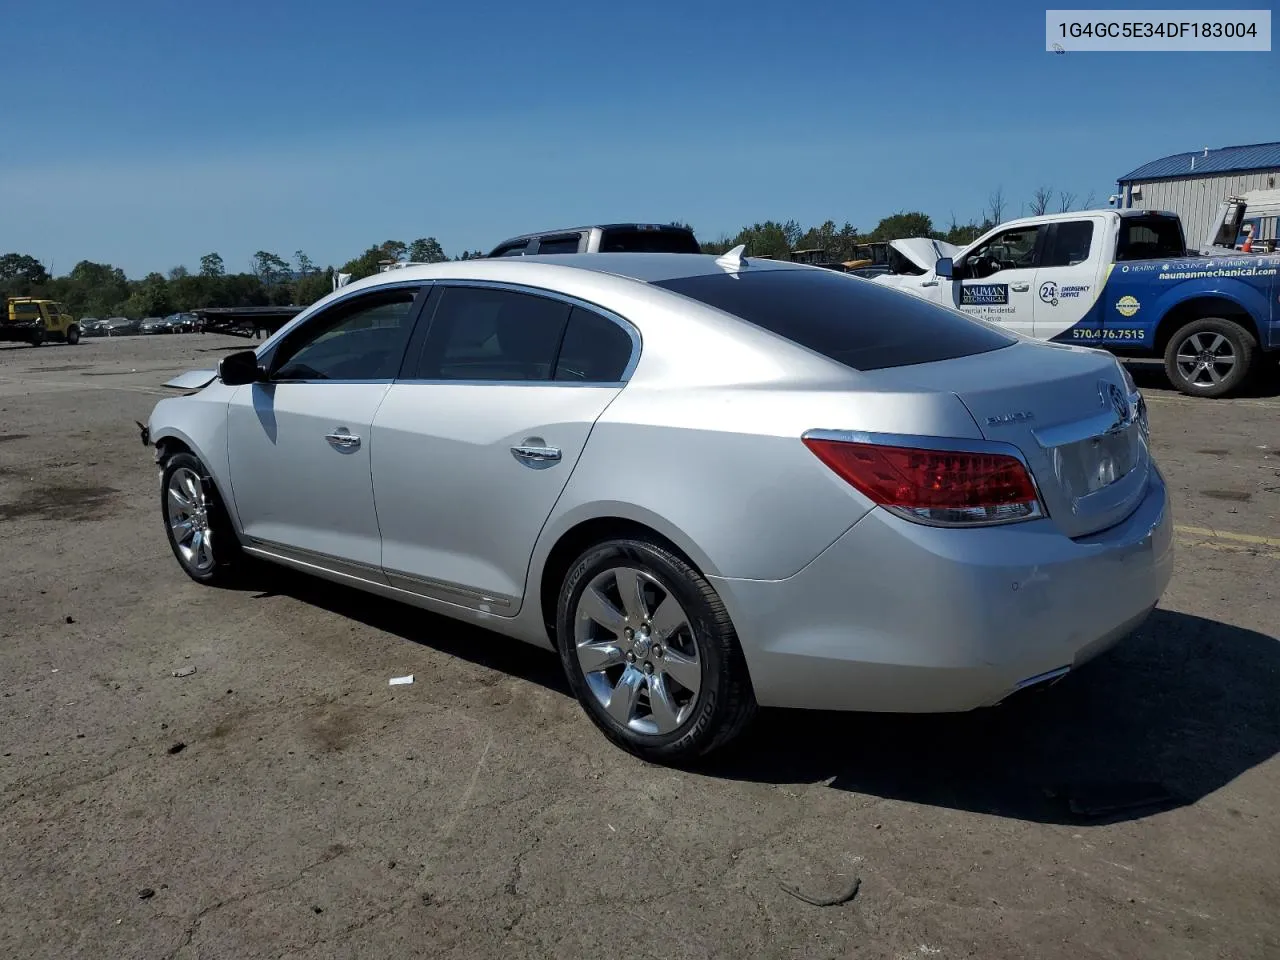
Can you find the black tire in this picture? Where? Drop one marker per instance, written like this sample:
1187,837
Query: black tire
229,561
1194,341
725,702
73,334
37,339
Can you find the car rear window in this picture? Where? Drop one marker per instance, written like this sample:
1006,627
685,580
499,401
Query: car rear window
632,240
854,322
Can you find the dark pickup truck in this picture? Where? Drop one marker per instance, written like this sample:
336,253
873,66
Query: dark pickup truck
602,238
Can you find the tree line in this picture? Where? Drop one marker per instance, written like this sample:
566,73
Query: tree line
102,290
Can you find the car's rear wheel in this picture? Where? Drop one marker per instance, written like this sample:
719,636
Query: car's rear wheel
199,530
73,335
650,652
1210,357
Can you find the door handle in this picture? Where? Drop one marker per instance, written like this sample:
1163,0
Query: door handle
1019,287
345,441
536,456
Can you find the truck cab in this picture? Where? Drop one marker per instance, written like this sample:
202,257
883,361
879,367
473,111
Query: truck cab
1121,280
36,321
602,238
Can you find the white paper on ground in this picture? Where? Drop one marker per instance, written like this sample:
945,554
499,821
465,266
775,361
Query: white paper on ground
396,681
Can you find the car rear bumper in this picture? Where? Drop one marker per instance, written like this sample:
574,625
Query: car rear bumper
900,617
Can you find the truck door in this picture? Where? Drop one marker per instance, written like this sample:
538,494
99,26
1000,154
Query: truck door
1068,281
995,280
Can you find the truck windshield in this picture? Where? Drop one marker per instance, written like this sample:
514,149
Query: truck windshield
1150,238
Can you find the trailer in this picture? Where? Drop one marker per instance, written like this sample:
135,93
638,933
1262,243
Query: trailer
247,322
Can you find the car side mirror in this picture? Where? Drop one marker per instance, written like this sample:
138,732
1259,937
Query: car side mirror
944,268
240,368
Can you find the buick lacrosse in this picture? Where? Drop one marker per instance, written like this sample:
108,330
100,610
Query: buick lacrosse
706,483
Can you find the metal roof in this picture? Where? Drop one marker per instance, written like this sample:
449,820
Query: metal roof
1253,156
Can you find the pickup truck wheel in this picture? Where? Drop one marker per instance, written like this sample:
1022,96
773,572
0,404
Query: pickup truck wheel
199,530
73,334
1209,357
37,339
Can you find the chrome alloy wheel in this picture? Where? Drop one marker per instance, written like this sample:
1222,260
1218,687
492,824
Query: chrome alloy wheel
1206,358
636,649
188,511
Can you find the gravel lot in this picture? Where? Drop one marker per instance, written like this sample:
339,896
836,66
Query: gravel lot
283,801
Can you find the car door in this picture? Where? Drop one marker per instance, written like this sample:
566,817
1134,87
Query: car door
475,443
995,280
1068,281
298,444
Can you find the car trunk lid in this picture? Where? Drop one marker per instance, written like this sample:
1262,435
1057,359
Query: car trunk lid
1069,413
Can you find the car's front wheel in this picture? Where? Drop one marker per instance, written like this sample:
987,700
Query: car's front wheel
199,530
650,652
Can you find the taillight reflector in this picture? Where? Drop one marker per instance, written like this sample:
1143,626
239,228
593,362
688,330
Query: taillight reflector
944,487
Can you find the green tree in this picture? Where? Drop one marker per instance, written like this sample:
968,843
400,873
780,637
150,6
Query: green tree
427,250
19,272
178,272
365,265
269,268
395,250
305,266
901,225
823,237
211,265
768,239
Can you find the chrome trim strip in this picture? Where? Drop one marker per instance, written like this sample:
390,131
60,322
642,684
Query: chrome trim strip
405,582
399,579
314,558
1046,677
946,444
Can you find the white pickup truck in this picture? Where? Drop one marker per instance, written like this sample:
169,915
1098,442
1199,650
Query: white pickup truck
1121,280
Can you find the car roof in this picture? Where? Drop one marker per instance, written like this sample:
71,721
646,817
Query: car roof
645,267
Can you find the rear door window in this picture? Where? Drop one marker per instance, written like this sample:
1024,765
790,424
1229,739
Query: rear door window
595,349
483,333
854,322
1069,244
1150,238
561,244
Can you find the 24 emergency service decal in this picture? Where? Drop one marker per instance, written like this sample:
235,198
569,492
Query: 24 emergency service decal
1127,306
1051,293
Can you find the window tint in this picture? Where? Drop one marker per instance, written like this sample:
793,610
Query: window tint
1149,238
1071,242
855,322
1012,250
479,333
559,244
595,350
363,339
511,250
631,240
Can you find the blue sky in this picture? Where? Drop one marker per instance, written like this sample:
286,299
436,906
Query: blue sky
155,132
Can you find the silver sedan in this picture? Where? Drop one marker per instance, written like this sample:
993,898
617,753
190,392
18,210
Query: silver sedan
706,483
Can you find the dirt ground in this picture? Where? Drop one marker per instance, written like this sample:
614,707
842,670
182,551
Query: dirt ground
284,801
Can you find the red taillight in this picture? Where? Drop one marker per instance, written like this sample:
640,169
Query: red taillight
945,487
